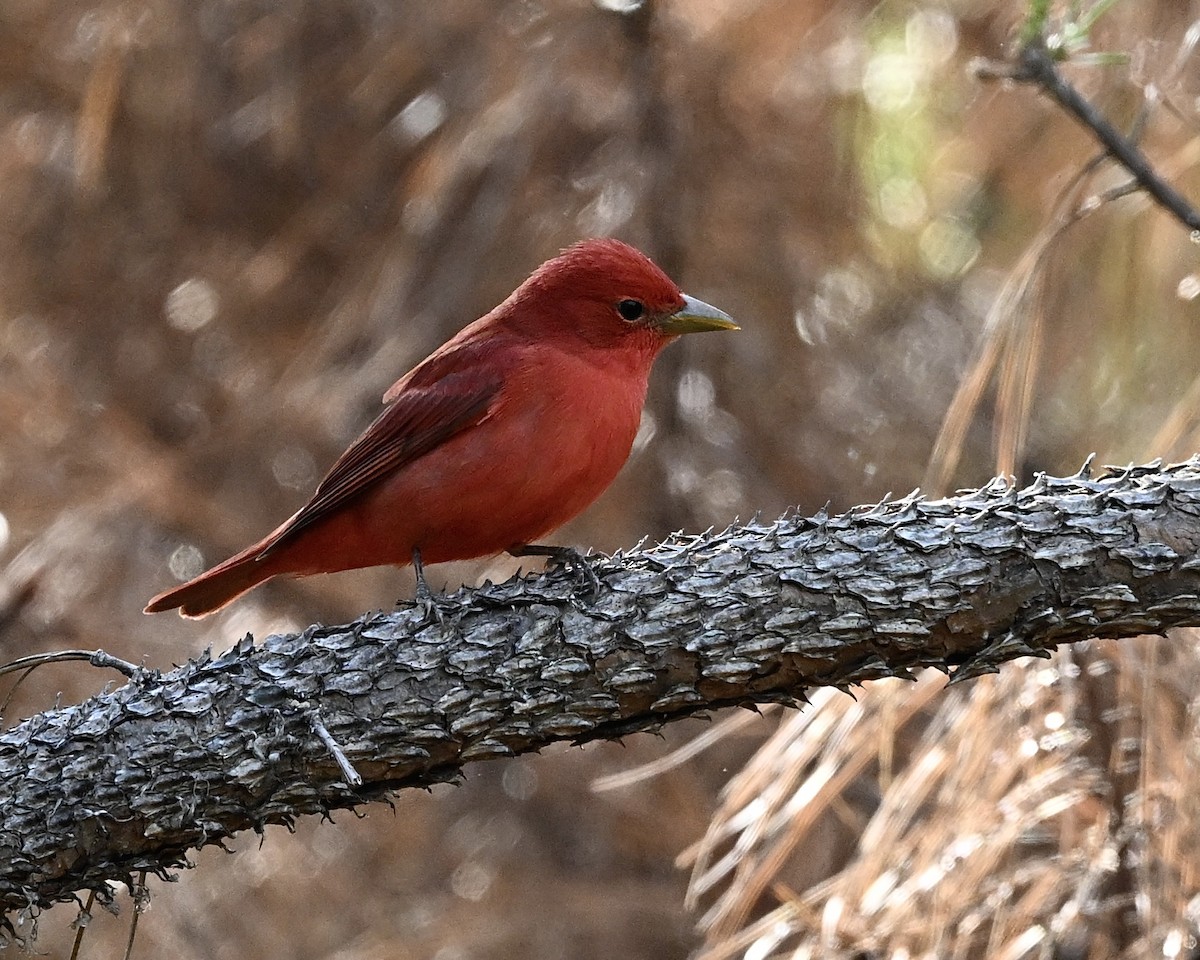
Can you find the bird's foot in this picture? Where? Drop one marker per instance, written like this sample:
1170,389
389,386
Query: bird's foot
427,603
426,600
567,558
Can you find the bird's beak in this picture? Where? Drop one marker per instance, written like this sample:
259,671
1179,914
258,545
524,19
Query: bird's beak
696,316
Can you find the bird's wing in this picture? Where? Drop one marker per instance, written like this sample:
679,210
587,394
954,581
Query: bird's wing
452,390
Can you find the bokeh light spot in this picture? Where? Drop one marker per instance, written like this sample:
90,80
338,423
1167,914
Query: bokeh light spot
421,116
948,248
471,880
723,493
902,203
890,82
613,206
931,35
803,330
519,780
647,428
696,396
843,298
191,305
186,562
294,467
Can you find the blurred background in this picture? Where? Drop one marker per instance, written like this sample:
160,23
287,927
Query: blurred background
227,226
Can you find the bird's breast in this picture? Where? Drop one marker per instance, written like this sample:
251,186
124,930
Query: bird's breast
574,423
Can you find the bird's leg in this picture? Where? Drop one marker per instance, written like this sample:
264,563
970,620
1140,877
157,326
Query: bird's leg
567,557
425,597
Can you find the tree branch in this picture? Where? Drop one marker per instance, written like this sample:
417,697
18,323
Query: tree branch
1035,64
132,779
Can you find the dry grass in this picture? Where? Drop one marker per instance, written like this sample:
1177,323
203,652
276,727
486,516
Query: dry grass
1044,810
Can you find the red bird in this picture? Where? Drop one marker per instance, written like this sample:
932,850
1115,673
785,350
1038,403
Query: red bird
502,434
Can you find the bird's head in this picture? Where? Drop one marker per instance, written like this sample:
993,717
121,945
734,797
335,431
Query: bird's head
610,296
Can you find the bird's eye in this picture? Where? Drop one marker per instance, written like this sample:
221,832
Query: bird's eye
631,310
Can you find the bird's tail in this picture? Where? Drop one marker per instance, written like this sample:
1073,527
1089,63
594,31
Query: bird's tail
224,583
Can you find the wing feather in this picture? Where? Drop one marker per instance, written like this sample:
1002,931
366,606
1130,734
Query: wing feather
451,391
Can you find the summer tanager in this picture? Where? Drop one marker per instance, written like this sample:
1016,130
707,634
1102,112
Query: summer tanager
502,434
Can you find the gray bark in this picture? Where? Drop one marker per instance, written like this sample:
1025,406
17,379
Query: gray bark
132,779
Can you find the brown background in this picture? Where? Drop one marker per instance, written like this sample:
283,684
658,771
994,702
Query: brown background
227,226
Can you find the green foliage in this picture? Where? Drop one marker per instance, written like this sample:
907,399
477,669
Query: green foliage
1069,39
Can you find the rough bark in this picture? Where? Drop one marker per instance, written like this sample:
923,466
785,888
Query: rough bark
132,779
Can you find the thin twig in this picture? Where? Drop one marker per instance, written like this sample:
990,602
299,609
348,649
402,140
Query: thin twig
82,921
1036,65
140,896
103,660
349,774
678,757
13,691
97,658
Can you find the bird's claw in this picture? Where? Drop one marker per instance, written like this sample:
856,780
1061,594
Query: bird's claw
565,558
586,579
426,601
